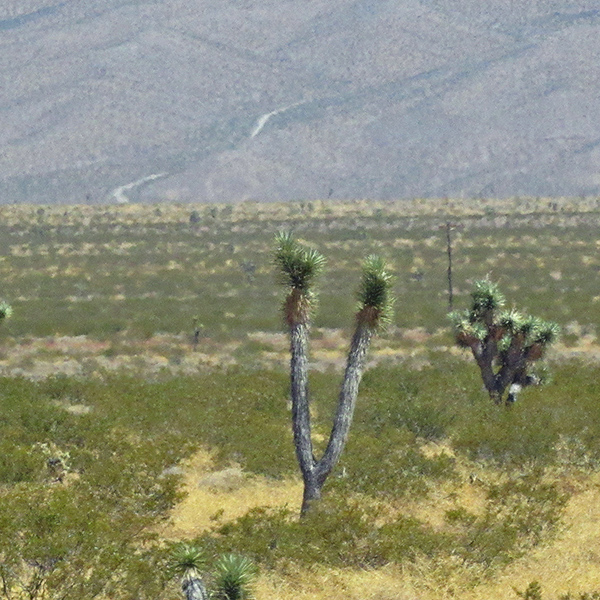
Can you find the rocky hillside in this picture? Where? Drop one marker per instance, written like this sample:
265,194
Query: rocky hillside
227,100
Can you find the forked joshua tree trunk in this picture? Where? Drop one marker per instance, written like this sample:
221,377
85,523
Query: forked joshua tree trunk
298,269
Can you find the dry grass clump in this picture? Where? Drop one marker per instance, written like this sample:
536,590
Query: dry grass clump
218,495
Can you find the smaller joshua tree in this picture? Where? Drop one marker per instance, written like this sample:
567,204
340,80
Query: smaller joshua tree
504,343
188,561
298,270
233,581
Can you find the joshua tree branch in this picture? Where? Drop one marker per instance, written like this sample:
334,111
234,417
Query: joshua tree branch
300,401
361,340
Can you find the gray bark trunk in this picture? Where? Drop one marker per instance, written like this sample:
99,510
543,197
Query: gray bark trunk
301,409
315,472
312,492
484,354
193,588
361,340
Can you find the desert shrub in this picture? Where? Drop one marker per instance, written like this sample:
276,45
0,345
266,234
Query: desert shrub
222,410
390,465
65,542
339,532
573,405
423,417
87,532
557,423
19,463
534,592
518,514
526,434
427,402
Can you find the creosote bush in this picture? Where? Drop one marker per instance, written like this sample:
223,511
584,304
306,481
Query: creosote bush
339,533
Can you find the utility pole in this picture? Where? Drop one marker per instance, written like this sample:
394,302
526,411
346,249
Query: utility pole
449,227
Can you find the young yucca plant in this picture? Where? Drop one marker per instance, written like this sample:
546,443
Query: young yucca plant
235,578
188,561
298,269
504,343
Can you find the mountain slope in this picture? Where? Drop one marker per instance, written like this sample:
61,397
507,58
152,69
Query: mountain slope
230,100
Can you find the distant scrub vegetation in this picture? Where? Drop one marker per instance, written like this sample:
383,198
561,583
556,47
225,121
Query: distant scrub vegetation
88,467
141,270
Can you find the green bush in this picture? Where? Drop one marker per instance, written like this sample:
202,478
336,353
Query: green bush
339,532
518,514
390,465
19,464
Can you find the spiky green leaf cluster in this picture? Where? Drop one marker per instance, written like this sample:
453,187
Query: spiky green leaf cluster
298,266
185,559
546,332
460,319
235,576
463,321
513,321
532,329
375,289
486,297
5,310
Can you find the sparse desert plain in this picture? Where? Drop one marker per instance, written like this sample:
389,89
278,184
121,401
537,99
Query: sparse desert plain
144,401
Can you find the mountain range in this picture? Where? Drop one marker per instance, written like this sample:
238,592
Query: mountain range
230,100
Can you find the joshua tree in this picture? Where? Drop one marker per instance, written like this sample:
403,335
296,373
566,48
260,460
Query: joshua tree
298,269
504,343
187,561
233,581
